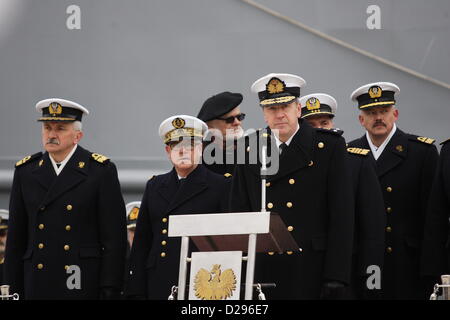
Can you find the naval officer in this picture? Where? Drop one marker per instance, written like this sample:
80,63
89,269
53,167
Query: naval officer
187,189
67,232
311,191
405,165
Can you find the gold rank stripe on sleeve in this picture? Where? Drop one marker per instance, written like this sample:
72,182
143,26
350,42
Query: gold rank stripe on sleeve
426,140
100,158
363,152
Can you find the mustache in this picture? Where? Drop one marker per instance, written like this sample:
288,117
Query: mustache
379,123
52,141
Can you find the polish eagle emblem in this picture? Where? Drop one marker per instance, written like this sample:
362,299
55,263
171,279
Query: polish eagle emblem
313,103
375,92
214,285
55,108
275,85
134,213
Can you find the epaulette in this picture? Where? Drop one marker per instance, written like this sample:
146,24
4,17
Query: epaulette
444,142
100,158
424,140
334,131
227,175
28,159
360,151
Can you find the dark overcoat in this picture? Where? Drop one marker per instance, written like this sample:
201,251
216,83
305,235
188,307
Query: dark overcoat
155,258
312,193
436,246
74,219
405,171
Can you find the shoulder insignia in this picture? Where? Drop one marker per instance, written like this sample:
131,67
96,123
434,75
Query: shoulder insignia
426,140
336,132
100,158
363,152
28,158
227,175
444,142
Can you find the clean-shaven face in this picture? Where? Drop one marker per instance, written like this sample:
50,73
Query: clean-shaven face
283,118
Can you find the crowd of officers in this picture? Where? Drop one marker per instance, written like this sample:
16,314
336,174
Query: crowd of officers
371,216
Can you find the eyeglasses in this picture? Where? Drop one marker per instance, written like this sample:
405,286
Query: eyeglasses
240,117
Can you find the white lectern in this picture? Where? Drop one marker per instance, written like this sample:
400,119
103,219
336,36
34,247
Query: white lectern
230,232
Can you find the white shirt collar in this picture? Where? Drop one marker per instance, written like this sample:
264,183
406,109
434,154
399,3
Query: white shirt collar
377,151
63,163
278,142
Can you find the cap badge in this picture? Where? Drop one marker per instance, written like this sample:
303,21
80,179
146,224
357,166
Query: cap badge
55,108
275,85
313,103
134,213
375,92
178,123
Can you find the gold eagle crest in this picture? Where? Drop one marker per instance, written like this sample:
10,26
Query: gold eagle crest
214,285
275,85
375,92
55,108
313,104
134,213
178,123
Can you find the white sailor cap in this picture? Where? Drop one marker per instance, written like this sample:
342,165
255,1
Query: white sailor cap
132,209
277,88
177,127
318,103
56,109
375,94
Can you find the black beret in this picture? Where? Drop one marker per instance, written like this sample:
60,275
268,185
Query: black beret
218,105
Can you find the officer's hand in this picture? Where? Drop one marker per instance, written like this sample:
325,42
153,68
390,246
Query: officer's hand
333,290
109,293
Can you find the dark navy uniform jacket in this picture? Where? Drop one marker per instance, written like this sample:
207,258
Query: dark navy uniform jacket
436,247
155,258
312,193
74,219
405,171
370,220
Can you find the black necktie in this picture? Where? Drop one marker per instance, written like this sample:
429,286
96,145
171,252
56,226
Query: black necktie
181,182
58,165
282,147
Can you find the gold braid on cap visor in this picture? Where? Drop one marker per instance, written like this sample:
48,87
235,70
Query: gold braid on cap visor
377,104
183,132
317,112
279,100
56,119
